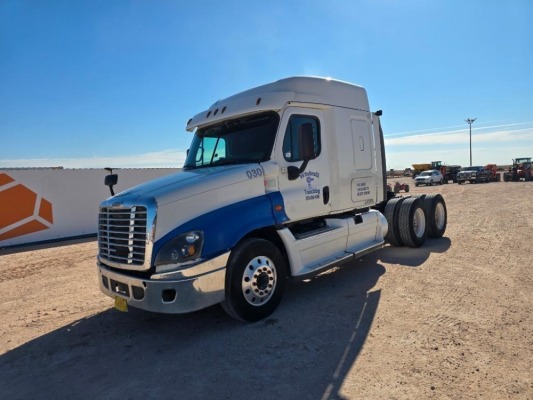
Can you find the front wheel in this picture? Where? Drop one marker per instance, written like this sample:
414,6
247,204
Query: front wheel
255,279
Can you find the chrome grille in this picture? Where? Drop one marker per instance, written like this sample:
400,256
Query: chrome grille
122,234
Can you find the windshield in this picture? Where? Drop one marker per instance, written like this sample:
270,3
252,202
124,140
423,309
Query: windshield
237,141
471,168
426,173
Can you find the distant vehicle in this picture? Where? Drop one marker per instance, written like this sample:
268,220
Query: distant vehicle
474,174
494,175
429,178
449,172
408,172
397,187
419,168
522,169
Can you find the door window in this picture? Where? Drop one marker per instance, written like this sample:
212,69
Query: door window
291,145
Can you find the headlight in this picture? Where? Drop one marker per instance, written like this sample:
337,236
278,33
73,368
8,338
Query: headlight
182,249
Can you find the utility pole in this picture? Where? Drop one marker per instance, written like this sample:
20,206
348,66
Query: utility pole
470,121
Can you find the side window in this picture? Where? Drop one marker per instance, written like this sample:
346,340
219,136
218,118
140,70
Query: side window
211,149
291,145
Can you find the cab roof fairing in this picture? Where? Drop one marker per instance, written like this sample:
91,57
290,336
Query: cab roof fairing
274,96
233,107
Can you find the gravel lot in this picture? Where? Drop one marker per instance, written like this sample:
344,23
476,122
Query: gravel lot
451,320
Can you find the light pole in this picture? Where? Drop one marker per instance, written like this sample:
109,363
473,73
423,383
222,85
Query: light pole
470,121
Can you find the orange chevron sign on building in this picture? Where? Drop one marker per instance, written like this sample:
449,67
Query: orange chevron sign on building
22,211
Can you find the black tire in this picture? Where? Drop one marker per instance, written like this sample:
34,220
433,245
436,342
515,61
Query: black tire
412,222
391,214
436,215
255,278
406,188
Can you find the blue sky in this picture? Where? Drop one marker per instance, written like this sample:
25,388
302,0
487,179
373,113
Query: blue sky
88,84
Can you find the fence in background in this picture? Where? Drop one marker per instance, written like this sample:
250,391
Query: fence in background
46,204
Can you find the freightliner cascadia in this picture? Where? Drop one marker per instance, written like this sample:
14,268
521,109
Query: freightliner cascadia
285,180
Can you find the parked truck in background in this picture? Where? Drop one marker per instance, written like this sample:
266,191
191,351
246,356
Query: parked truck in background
283,180
449,173
522,168
474,174
494,175
419,168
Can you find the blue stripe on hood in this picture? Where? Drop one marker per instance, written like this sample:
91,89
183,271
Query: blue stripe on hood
224,227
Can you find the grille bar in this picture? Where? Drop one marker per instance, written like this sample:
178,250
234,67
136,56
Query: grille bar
122,234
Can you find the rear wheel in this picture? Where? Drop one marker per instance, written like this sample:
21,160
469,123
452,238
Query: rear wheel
255,278
436,214
391,214
412,222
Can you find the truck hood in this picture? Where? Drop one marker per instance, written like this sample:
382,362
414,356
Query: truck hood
185,184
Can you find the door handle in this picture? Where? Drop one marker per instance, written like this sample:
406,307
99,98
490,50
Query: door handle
325,194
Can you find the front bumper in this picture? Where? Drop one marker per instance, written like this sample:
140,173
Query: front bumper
465,178
179,292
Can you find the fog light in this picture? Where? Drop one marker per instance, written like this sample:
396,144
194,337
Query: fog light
138,292
168,295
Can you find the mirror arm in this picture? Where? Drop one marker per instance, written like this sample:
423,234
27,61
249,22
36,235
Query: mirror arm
295,172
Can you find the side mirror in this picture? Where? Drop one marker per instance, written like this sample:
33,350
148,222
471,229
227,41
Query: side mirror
306,143
111,180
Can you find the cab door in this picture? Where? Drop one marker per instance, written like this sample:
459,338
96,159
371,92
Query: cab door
308,195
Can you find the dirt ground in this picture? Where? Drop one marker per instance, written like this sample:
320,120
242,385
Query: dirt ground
450,320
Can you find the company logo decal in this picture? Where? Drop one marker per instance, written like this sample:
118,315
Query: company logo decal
311,178
22,211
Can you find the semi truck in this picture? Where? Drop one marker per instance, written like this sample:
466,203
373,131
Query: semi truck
285,180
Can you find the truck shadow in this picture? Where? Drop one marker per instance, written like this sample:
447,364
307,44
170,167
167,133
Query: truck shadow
411,257
304,350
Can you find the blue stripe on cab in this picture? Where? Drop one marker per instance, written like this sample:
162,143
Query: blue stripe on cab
224,227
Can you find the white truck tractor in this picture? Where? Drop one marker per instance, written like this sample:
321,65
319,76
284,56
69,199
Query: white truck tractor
283,180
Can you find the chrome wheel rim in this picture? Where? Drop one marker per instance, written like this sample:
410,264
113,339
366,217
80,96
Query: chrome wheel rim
419,222
259,281
440,215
